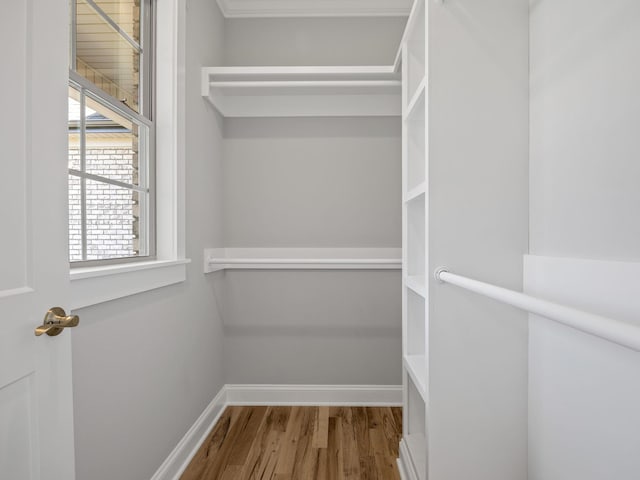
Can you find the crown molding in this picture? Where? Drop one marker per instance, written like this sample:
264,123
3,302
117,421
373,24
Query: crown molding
314,8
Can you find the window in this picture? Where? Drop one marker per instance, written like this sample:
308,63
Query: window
111,132
94,282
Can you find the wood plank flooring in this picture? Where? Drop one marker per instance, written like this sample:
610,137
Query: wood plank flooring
300,443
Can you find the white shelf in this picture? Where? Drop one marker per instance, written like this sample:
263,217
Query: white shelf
216,259
418,284
416,192
416,367
303,91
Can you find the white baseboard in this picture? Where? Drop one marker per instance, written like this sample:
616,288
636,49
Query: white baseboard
361,395
339,395
179,458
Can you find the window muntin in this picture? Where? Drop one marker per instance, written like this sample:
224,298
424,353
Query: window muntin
111,145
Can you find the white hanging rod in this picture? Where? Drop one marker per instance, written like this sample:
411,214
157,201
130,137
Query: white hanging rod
309,261
303,83
615,331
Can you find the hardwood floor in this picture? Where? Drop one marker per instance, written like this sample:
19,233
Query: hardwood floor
300,443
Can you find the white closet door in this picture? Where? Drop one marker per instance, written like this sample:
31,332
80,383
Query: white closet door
36,414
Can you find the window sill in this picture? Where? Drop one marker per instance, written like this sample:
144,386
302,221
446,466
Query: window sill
93,285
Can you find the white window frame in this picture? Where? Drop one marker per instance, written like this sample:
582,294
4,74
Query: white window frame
143,117
93,285
146,185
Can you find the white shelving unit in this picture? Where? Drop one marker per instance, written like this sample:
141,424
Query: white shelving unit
303,91
465,164
413,447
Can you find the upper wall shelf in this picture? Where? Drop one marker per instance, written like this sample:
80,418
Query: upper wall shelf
303,91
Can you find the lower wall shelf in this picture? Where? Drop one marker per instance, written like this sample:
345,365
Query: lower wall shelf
216,259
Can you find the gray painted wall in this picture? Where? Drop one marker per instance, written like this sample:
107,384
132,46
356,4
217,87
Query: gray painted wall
314,327
313,41
305,182
312,183
585,200
146,366
584,129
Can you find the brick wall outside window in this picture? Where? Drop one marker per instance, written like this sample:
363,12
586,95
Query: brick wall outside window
111,225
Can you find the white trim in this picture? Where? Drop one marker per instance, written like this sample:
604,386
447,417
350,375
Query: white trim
216,259
170,129
13,292
179,458
360,395
314,8
338,395
90,272
90,286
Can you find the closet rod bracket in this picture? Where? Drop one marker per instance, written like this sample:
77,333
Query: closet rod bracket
438,271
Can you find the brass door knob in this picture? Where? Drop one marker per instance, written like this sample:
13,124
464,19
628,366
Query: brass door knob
55,321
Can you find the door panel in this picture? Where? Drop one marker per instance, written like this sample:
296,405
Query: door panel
14,104
17,434
36,412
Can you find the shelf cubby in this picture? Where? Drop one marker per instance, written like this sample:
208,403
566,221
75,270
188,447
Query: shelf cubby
417,284
416,254
416,192
415,360
415,126
415,431
415,324
417,100
415,367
